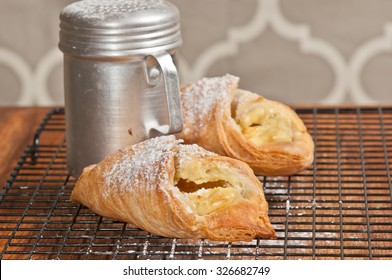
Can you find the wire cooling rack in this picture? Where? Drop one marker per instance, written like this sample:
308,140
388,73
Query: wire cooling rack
340,208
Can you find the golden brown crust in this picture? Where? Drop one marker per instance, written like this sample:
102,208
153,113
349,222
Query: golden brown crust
218,131
138,185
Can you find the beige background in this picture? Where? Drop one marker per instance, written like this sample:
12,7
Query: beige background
295,51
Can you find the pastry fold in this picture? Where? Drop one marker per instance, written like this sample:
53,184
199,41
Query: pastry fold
176,190
268,135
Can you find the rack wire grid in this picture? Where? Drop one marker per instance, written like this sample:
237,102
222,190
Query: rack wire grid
340,208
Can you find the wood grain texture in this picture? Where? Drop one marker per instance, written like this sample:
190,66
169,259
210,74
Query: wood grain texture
339,208
17,127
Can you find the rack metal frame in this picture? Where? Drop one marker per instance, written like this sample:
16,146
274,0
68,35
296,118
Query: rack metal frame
340,208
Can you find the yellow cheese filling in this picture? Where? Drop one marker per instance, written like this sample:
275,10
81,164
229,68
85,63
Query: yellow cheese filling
206,201
262,125
208,197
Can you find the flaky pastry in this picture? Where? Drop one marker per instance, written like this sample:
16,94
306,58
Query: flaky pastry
177,190
266,134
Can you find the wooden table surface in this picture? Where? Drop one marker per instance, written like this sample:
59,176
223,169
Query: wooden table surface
17,126
339,208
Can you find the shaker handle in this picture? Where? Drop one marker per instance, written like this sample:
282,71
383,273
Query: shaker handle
172,92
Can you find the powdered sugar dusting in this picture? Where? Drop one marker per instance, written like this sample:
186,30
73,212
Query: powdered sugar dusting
181,197
140,164
198,100
187,153
100,9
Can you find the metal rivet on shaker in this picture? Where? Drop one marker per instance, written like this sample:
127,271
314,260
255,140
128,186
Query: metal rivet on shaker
119,68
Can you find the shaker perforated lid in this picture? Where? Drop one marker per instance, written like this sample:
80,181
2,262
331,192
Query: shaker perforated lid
115,28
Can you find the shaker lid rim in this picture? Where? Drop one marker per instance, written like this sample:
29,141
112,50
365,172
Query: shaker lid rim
123,31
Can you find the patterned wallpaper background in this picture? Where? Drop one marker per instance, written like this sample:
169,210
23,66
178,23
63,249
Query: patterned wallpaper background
295,51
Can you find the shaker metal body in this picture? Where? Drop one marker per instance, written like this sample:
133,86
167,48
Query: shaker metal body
121,84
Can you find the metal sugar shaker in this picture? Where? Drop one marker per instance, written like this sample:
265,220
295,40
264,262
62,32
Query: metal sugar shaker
120,79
